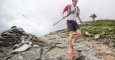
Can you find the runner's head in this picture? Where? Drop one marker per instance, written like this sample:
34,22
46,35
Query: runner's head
74,2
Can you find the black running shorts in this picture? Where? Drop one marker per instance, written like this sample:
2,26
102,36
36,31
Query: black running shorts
72,25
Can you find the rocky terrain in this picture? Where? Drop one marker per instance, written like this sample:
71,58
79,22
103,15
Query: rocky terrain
97,43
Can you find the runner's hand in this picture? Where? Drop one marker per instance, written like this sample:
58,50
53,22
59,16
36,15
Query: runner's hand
82,22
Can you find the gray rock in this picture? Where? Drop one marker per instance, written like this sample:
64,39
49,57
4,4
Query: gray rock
88,34
62,43
86,52
97,36
13,36
22,48
56,54
1,55
32,54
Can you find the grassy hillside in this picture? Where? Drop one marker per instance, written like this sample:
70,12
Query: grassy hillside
106,28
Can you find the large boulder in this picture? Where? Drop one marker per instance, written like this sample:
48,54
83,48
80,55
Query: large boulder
13,36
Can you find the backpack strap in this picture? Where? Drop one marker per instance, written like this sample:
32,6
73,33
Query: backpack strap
77,8
78,11
69,9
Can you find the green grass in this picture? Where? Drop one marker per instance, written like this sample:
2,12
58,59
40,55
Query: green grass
100,26
104,27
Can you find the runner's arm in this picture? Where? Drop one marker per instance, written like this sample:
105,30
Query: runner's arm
64,10
78,13
79,19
